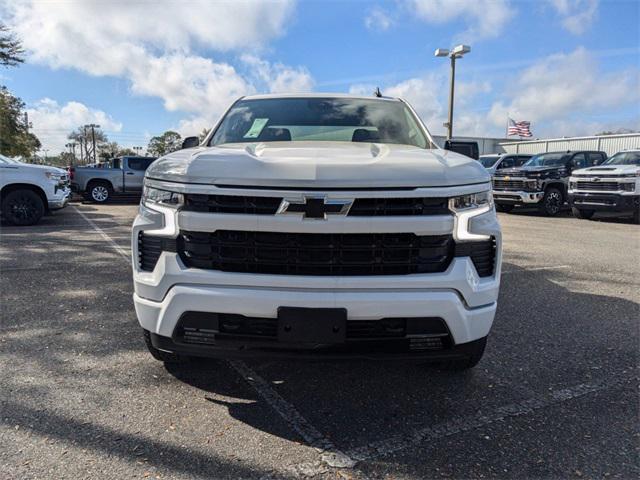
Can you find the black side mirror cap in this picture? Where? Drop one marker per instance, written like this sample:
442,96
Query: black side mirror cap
190,142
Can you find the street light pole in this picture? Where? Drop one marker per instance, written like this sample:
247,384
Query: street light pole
456,52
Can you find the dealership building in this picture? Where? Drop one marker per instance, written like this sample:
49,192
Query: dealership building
609,144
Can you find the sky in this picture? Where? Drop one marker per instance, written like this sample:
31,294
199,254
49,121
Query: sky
140,67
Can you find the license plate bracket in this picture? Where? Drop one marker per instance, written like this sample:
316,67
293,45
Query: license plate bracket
325,326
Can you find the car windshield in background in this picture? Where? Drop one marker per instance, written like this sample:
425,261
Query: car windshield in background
488,161
320,119
546,160
624,158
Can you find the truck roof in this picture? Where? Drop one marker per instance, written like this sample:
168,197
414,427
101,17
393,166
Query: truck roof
318,95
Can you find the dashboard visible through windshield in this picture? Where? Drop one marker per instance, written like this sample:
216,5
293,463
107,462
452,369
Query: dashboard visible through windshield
320,119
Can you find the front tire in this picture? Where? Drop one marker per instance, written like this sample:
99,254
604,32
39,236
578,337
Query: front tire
582,214
504,207
99,192
636,216
22,207
552,202
166,357
476,350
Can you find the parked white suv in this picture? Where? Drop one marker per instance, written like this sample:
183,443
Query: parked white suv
318,226
28,191
611,187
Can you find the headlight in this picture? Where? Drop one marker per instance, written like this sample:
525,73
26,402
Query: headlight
52,175
572,185
465,207
473,200
154,196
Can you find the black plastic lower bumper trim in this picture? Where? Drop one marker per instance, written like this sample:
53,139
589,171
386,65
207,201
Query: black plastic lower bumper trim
238,349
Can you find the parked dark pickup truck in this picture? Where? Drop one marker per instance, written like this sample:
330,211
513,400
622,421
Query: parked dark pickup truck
542,181
124,175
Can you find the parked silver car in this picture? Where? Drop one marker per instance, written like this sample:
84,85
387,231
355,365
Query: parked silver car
498,161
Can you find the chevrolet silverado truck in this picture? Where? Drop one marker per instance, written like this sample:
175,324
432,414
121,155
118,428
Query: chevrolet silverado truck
29,191
542,181
123,176
611,187
318,226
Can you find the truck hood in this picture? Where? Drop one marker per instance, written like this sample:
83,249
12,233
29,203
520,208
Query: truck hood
32,167
318,164
604,170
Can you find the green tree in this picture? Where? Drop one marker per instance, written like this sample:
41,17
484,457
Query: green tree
15,138
11,52
168,142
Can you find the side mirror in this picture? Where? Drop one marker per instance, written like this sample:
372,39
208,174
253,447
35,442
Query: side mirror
190,142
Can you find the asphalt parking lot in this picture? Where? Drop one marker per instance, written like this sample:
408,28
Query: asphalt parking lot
556,395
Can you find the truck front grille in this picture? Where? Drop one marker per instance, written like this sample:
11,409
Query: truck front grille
508,185
599,186
328,254
362,207
316,254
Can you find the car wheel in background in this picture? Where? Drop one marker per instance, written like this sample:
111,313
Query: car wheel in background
99,192
582,214
22,207
502,207
552,202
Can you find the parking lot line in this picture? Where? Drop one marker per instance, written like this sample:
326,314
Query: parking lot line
394,444
329,454
533,269
126,255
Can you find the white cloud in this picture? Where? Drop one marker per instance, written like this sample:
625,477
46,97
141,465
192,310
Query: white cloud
52,122
576,15
566,88
155,45
278,78
378,20
484,18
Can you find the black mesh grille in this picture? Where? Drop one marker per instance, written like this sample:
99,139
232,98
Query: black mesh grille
231,204
374,207
316,254
269,205
508,185
150,248
483,255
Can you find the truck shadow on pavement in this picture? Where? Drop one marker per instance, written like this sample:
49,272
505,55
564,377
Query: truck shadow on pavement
547,336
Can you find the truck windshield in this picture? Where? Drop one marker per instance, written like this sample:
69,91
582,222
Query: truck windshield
320,119
488,161
624,158
546,160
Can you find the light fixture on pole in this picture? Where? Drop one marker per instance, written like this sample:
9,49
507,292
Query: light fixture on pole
456,52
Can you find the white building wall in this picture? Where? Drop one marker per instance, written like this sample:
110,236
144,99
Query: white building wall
610,144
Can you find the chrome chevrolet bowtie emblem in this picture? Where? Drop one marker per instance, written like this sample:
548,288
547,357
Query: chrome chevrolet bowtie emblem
314,207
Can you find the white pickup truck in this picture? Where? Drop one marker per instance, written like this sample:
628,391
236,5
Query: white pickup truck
29,191
321,226
612,187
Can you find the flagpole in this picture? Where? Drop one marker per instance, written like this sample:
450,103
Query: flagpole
506,132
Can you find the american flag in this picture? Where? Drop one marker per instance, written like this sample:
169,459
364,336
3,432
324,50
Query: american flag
521,129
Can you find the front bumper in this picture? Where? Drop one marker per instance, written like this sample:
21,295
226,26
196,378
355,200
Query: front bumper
463,300
604,202
59,199
517,198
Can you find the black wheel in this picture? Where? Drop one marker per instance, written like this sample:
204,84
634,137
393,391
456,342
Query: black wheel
504,207
636,216
476,350
582,214
99,192
552,202
22,207
165,357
